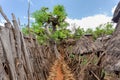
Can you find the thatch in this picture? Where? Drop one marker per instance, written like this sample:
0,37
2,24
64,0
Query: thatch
84,45
99,45
112,57
68,42
81,46
116,15
101,42
111,61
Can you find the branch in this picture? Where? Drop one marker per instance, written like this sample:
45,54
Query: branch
47,29
88,62
19,22
29,18
95,75
100,58
15,23
4,15
13,17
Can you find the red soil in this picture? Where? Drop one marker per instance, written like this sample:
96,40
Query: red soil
59,73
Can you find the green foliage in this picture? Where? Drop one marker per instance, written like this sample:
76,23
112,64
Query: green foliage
61,34
41,16
89,31
40,33
109,28
60,12
104,29
79,32
58,16
25,30
44,16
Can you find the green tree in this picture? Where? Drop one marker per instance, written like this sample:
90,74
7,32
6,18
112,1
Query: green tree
108,28
102,30
89,31
79,32
53,23
50,26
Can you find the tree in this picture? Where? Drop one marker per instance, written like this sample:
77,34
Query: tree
102,30
108,28
53,23
50,26
79,32
89,31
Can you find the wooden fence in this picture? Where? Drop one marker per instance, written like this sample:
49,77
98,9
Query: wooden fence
21,58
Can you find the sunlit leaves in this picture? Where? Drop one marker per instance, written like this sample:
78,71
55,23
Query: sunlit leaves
60,12
41,16
102,30
79,32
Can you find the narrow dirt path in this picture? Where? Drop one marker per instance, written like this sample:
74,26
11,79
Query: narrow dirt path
56,72
59,73
60,70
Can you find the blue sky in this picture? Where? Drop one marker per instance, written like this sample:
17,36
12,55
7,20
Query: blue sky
76,9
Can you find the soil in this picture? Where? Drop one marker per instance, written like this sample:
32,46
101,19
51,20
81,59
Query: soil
59,73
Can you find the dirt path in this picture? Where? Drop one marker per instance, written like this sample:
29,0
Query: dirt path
56,72
60,70
59,73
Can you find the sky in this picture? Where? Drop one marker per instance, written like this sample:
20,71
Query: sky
84,13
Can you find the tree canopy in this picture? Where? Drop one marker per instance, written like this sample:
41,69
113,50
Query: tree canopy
52,25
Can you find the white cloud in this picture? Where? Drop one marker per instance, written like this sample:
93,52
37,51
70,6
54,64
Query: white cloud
113,9
89,22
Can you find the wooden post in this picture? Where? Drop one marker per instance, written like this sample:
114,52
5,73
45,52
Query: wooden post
29,18
3,14
5,39
19,22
